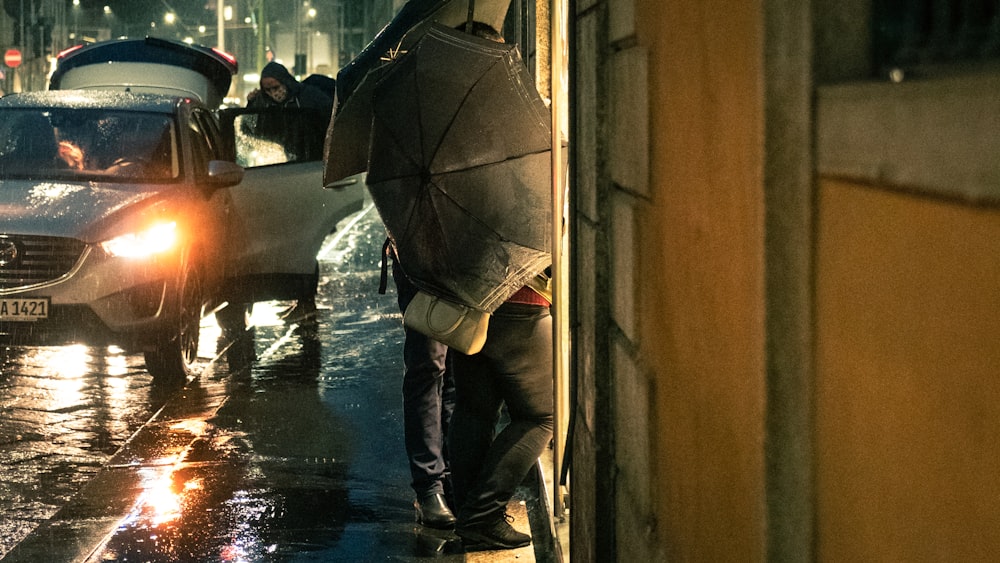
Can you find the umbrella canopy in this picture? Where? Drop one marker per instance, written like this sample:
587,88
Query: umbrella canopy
459,167
349,131
409,25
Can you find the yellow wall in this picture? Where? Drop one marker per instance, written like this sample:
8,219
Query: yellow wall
908,393
906,449
700,276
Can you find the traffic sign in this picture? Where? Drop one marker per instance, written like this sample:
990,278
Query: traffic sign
12,58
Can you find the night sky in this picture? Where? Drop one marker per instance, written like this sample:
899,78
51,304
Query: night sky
192,12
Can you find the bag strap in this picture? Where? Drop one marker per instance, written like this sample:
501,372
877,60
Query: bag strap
472,16
383,281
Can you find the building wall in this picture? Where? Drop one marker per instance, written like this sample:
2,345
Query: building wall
669,217
908,239
700,277
784,277
907,396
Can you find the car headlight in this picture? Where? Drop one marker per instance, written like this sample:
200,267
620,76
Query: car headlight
157,239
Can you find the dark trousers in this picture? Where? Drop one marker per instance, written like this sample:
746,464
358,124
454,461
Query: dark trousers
428,402
513,368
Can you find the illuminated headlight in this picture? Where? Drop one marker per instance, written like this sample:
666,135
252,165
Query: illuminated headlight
157,239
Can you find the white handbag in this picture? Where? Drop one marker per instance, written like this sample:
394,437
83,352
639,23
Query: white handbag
460,327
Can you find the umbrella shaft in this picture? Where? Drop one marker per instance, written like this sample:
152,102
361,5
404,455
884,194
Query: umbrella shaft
472,15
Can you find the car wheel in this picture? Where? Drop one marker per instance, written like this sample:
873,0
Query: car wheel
176,348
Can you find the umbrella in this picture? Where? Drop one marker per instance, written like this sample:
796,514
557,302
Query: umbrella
459,167
349,131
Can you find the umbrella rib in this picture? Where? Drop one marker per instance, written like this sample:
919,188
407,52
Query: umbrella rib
462,207
458,109
469,211
495,162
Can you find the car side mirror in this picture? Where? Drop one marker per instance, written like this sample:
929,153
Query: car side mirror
223,173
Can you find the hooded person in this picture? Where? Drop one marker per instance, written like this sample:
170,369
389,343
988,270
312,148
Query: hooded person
278,91
279,88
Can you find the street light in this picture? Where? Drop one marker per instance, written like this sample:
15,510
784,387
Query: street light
110,20
220,23
300,55
76,19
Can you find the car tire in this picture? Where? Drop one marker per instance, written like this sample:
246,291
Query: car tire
175,350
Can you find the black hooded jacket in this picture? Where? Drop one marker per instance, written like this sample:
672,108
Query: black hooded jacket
299,94
274,124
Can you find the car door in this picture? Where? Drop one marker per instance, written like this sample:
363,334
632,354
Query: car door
282,212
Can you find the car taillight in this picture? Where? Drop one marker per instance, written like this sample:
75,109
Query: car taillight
65,52
229,57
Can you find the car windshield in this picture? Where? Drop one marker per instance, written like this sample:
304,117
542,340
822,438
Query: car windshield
87,144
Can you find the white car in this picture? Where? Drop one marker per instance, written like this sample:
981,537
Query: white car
126,213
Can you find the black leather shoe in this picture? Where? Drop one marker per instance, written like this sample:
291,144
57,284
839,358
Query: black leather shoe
496,533
433,512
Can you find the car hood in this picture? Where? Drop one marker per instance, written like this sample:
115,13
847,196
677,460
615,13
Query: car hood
62,209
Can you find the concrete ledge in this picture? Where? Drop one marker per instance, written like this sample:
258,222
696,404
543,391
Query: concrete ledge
933,135
550,534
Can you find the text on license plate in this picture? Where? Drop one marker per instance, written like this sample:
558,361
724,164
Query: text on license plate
21,309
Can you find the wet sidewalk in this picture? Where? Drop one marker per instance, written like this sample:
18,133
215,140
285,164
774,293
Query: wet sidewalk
296,457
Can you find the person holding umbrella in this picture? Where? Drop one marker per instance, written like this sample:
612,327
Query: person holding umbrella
459,169
428,383
513,369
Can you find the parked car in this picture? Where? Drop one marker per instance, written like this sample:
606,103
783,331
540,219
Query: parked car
127,211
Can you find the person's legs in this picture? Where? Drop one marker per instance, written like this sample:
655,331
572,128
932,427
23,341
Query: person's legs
477,410
519,349
515,366
447,411
304,310
424,410
428,401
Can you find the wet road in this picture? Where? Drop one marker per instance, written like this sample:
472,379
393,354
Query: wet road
297,456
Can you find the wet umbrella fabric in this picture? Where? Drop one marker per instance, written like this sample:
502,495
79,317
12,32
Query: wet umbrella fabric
409,25
459,168
349,131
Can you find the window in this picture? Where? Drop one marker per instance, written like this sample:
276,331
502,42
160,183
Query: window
86,144
920,32
201,151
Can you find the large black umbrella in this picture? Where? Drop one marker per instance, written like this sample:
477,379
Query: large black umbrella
349,131
459,167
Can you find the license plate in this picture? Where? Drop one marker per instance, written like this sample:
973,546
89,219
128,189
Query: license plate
21,309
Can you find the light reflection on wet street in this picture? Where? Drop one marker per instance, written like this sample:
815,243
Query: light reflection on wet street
297,456
63,412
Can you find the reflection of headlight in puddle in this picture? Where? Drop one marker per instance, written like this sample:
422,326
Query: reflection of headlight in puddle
157,239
